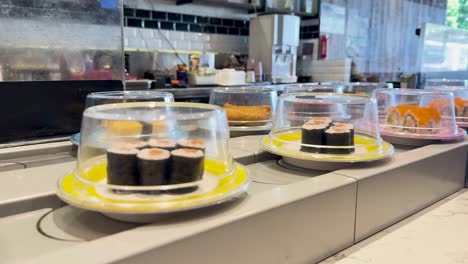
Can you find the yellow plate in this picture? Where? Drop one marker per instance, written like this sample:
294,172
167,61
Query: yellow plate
287,144
87,196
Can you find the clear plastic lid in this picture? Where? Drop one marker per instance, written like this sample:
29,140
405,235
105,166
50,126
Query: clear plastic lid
460,99
112,97
311,88
416,113
246,107
331,127
152,147
359,88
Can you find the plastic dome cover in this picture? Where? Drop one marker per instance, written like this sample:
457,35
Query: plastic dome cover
153,146
113,97
310,88
246,107
411,112
460,101
335,127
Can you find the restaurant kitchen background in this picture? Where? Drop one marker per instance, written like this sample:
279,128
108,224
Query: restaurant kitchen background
49,45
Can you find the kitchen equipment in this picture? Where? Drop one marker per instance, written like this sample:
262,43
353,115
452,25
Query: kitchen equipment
308,52
273,41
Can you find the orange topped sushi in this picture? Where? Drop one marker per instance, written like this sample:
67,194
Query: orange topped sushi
461,107
413,118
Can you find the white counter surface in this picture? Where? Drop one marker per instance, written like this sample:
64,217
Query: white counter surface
437,234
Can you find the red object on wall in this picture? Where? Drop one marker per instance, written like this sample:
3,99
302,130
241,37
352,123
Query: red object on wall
323,47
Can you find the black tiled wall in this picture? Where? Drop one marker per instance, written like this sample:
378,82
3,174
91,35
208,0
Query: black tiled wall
309,32
183,22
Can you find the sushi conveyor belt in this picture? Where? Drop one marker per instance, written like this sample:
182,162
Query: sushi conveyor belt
304,215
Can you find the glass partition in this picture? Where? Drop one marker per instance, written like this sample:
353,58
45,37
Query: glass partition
61,40
444,55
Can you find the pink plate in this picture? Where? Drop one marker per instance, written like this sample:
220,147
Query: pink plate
421,139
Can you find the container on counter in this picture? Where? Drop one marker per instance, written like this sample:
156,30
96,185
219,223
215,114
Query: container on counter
415,117
230,77
315,129
151,158
247,109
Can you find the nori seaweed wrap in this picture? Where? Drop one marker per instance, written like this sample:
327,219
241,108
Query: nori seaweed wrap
153,166
122,166
346,126
187,165
313,133
335,137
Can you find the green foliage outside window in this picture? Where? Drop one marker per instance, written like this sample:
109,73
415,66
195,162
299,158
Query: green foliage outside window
457,14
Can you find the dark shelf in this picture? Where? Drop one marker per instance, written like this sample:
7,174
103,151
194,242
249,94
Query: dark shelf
249,8
268,10
216,3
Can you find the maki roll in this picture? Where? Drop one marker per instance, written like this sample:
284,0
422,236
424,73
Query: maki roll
187,165
461,109
420,120
346,126
153,166
442,105
459,106
337,137
313,133
395,115
192,144
162,144
122,166
138,144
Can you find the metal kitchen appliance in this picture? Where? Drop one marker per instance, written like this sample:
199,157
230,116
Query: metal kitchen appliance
273,41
